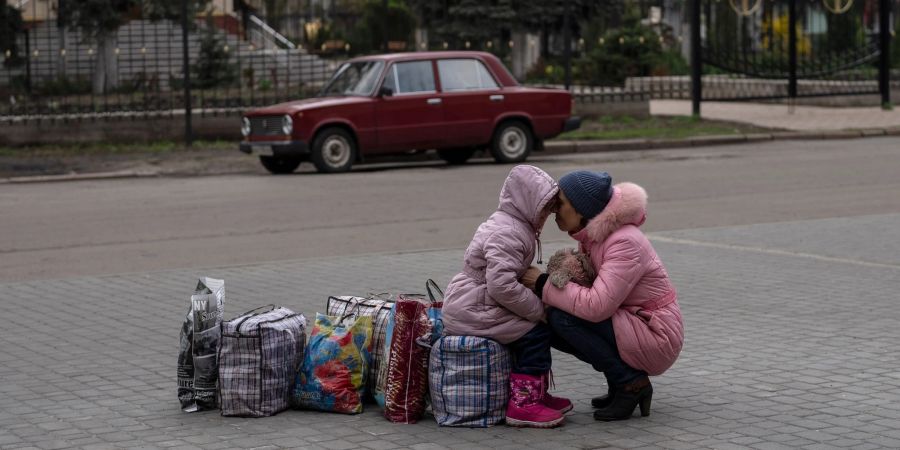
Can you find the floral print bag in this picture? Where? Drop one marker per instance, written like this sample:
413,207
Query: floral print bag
333,374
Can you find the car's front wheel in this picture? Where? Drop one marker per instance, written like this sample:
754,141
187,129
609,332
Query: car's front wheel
512,142
280,164
456,156
333,150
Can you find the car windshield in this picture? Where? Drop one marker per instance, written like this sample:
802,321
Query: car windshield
356,78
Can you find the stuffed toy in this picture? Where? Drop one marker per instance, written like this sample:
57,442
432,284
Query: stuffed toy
570,265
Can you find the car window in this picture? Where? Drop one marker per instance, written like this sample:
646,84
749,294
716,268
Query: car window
464,75
410,77
357,78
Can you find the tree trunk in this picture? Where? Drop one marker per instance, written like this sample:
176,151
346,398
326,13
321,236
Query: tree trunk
106,71
421,35
525,53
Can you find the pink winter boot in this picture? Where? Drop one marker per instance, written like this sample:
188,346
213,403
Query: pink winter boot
525,408
563,405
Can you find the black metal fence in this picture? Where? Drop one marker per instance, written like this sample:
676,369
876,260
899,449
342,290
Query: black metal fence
236,61
793,48
240,58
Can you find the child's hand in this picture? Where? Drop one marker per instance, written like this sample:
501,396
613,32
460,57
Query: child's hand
529,279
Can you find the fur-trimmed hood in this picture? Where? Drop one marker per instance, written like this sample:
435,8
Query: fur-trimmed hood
627,206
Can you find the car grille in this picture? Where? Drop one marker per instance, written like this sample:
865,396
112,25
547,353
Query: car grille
266,125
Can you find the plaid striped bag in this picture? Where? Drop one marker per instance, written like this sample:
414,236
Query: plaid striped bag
469,380
379,309
258,359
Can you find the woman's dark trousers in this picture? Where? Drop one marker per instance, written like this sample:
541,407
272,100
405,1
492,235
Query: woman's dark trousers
593,343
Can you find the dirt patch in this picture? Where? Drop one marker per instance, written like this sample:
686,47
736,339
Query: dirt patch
162,158
198,160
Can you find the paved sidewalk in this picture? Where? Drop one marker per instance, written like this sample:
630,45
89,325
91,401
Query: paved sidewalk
791,343
778,116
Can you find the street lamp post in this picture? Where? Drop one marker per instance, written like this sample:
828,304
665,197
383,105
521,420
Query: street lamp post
696,60
884,60
567,41
186,63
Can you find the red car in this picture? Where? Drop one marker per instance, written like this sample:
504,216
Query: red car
455,102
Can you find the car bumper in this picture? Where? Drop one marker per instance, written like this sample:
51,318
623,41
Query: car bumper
275,148
572,123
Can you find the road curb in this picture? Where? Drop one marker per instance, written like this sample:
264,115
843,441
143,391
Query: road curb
562,147
555,148
79,177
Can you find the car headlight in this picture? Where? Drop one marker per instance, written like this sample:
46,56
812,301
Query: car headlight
245,126
287,124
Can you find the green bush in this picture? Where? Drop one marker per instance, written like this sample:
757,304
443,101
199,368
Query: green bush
369,33
212,68
325,33
63,85
630,51
670,62
549,71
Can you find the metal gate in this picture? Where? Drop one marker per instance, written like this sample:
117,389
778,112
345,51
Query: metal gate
765,49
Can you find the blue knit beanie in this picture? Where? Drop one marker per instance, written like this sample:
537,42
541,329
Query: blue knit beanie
589,192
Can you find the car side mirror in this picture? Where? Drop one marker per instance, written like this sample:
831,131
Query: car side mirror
385,92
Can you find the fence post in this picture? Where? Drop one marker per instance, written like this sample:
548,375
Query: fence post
385,25
792,49
696,59
567,41
884,66
28,61
188,134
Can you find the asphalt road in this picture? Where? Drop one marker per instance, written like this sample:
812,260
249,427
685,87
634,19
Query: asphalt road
58,230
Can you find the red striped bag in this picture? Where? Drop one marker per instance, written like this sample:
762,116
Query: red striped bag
414,323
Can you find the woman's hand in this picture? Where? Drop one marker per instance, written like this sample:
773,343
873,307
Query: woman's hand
529,279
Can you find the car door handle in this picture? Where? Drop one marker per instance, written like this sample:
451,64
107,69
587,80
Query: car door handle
496,98
434,101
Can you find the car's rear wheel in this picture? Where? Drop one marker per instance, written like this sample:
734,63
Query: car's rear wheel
456,156
333,150
512,142
280,165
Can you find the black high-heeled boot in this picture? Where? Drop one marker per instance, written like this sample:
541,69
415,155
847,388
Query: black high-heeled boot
602,401
625,399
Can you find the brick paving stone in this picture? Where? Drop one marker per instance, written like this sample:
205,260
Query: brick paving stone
338,444
770,446
430,446
677,445
101,446
382,445
778,352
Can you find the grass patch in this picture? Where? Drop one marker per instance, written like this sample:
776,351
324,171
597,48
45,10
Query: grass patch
655,127
111,149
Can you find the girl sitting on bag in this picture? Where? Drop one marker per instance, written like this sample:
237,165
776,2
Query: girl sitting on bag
627,324
487,300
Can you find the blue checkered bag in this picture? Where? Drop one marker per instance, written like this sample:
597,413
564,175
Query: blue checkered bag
469,381
258,359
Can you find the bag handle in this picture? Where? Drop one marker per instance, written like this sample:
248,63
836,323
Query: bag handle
378,309
270,305
424,341
252,313
432,287
353,310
